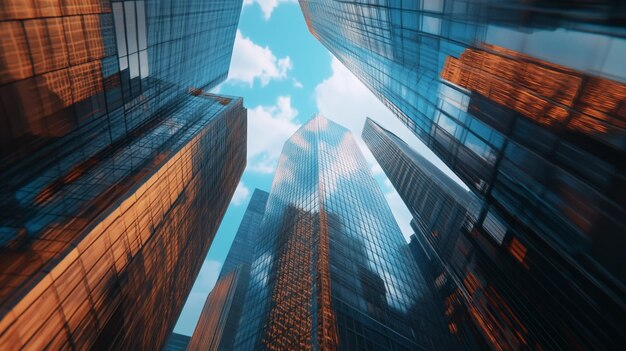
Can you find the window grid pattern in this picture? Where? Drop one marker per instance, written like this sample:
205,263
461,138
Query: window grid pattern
82,279
331,258
240,257
209,331
512,117
111,185
440,209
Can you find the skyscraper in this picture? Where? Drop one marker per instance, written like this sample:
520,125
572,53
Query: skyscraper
241,252
116,166
437,203
529,114
219,320
331,269
213,321
440,207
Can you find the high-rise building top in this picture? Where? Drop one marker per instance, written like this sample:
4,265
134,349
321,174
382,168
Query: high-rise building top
515,107
70,69
109,269
437,203
331,269
115,166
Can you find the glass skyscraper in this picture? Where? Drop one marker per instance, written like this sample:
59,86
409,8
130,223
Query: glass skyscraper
116,166
208,334
437,203
220,318
526,105
332,269
241,252
440,207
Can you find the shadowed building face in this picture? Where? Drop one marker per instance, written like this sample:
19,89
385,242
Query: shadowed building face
115,167
525,104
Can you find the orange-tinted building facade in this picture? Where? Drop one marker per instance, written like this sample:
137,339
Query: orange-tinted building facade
549,94
115,166
119,280
207,335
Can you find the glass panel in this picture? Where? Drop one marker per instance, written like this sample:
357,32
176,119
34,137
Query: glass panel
141,25
120,32
143,63
131,27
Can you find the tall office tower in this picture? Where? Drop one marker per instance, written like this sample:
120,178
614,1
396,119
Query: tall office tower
115,166
332,270
532,120
241,252
177,342
439,207
213,321
437,203
218,325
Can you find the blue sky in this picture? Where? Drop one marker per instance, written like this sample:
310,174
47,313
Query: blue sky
285,76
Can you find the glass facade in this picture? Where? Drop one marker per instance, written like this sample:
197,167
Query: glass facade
240,257
512,97
209,331
435,201
332,270
241,252
115,166
439,207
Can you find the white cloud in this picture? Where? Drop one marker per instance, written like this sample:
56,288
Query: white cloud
251,62
268,129
241,194
297,84
201,288
267,6
345,100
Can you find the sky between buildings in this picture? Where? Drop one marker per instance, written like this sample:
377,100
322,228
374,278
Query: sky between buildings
285,76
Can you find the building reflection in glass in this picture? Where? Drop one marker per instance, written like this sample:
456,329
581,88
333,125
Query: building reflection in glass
332,270
115,166
525,103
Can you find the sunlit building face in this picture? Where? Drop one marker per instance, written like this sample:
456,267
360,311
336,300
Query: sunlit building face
332,270
221,315
526,105
115,166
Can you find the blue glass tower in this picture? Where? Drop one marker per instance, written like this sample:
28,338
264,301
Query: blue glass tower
512,97
440,207
116,166
332,270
